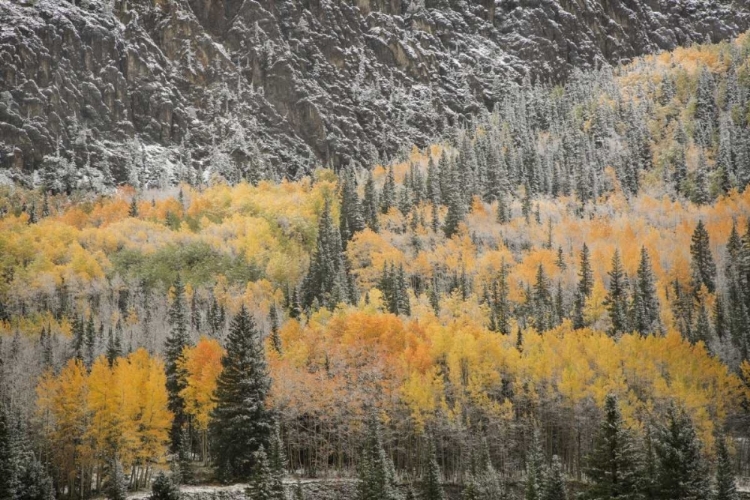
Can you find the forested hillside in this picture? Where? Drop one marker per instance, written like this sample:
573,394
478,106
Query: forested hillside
552,301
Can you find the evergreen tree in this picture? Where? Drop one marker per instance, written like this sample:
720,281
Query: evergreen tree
352,219
241,423
617,298
177,340
503,215
376,476
535,471
22,475
701,195
261,485
542,302
456,212
560,261
164,489
613,464
702,266
114,347
431,487
370,204
117,488
585,286
326,281
90,342
133,210
389,192
681,473
554,487
45,205
471,489
645,301
726,487
277,461
78,332
275,325
702,325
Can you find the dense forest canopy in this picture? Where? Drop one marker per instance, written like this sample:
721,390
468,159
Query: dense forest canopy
571,271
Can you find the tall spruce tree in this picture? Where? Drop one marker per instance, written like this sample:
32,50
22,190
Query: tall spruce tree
326,281
261,485
646,307
277,461
117,488
370,204
535,469
351,219
613,464
726,486
554,486
585,286
702,266
241,422
376,476
617,297
431,487
681,472
178,339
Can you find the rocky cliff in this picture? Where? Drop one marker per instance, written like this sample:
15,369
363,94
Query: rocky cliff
150,92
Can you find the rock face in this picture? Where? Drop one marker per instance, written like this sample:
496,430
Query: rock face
151,92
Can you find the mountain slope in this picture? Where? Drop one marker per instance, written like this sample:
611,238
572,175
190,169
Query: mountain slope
153,92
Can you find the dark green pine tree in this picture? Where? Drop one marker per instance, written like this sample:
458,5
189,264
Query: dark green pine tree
326,281
376,476
370,204
79,338
648,478
388,198
726,487
241,422
116,487
471,489
178,339
702,266
90,342
261,479
585,286
32,213
433,183
352,219
114,347
503,215
613,464
646,307
542,306
45,205
277,462
500,301
554,486
275,320
133,210
456,211
617,297
22,475
431,487
701,195
535,470
163,488
681,473
560,261
702,331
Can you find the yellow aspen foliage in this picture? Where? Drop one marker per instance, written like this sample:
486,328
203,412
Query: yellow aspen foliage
202,366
